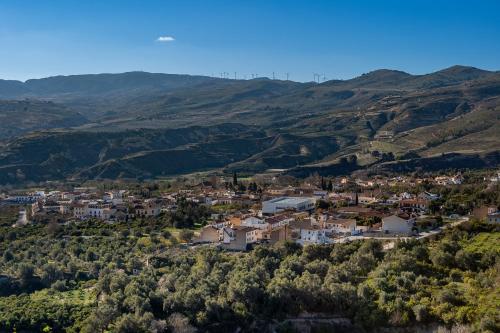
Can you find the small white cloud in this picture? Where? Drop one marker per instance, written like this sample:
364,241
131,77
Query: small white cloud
165,39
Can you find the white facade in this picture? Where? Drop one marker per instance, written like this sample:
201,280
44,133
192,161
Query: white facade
28,198
283,203
396,225
93,210
342,226
228,235
254,222
314,236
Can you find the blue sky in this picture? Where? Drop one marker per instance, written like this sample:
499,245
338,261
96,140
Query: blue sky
339,39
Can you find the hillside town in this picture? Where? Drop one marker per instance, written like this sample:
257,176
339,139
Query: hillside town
242,213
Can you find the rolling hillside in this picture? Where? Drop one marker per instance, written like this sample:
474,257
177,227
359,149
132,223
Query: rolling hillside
143,125
22,116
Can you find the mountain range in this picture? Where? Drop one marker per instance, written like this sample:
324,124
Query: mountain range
147,125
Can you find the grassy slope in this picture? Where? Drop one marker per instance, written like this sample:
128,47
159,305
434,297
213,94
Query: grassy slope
484,242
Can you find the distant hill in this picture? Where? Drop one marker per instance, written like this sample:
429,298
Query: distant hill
382,78
392,79
22,116
75,86
12,89
139,125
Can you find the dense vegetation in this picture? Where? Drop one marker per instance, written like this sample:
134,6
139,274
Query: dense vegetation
94,277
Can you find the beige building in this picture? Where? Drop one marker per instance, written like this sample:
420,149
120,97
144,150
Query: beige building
208,234
237,238
481,213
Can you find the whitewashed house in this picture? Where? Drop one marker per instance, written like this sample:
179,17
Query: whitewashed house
313,236
398,225
342,226
255,222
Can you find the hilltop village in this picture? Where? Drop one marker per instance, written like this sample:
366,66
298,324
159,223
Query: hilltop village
222,253
238,214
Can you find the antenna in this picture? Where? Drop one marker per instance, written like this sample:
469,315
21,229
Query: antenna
287,76
273,75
